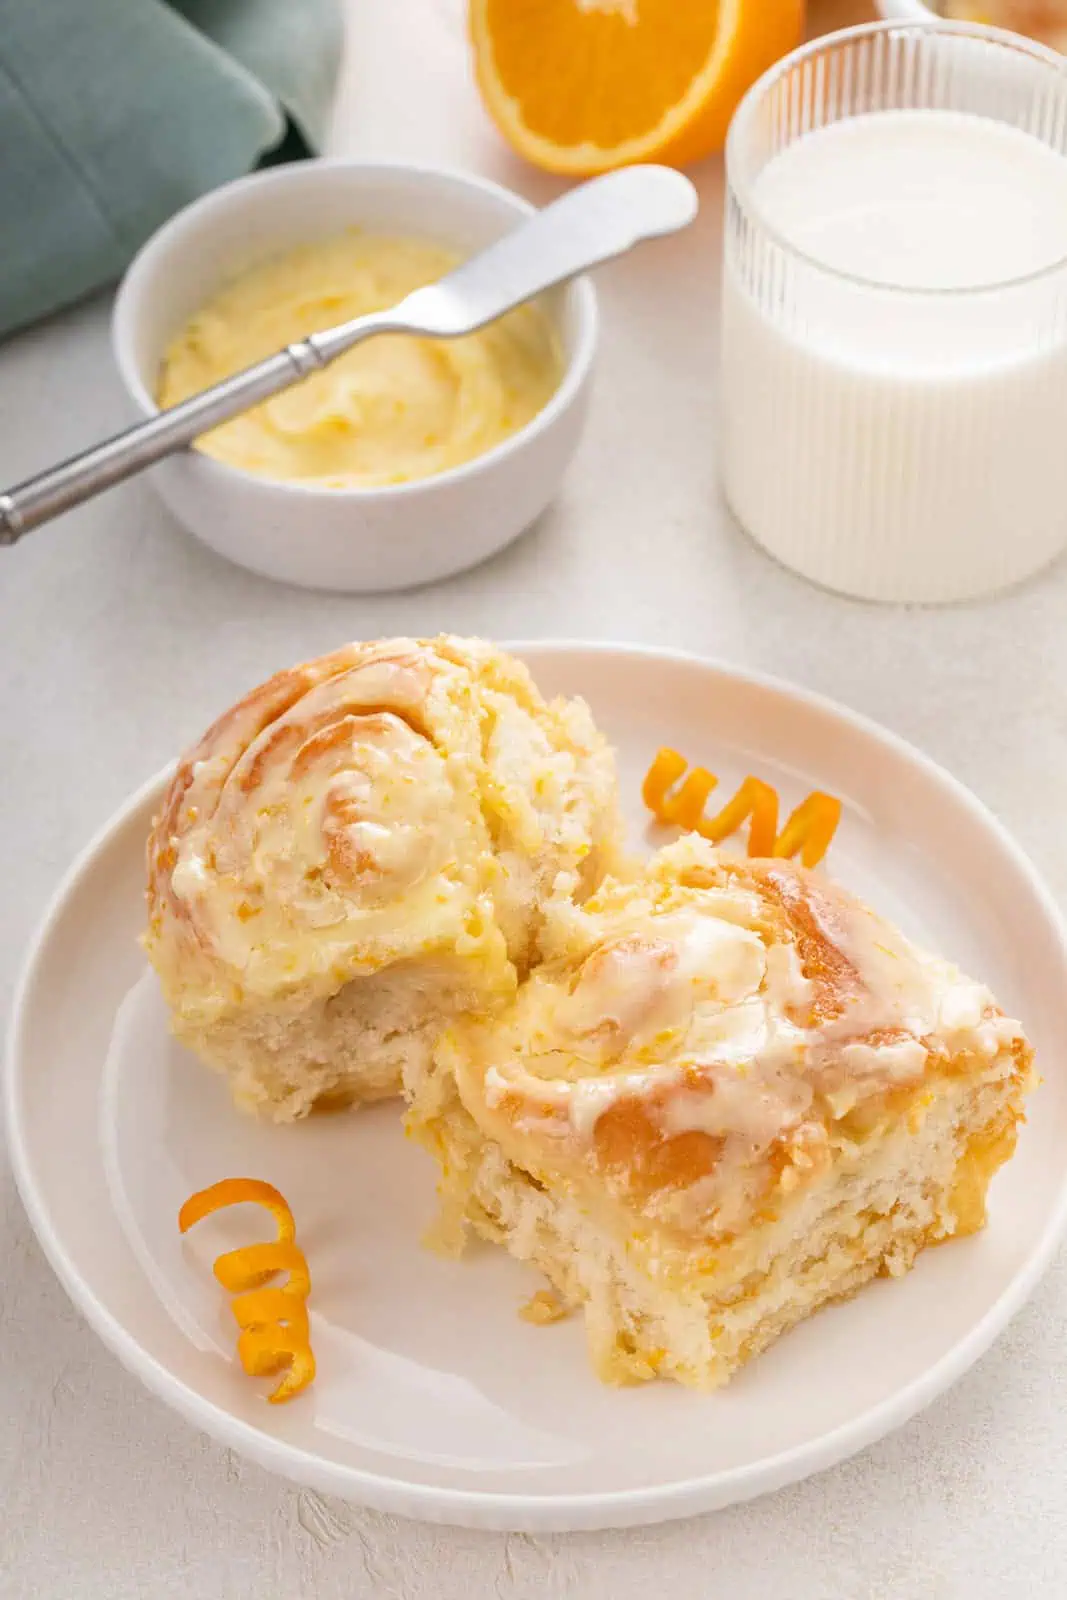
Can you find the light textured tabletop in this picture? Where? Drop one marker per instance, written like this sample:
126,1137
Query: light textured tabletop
120,638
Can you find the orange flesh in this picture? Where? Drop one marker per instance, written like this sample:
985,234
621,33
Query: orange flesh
574,70
580,86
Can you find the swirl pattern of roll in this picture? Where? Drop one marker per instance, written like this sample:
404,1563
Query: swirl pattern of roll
361,850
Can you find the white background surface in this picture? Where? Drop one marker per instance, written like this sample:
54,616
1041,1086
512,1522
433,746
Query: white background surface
120,639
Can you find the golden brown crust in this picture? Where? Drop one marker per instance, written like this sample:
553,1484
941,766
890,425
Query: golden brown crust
810,918
400,809
228,736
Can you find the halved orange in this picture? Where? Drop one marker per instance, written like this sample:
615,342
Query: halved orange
579,86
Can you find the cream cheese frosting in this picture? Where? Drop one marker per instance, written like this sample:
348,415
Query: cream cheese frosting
752,1007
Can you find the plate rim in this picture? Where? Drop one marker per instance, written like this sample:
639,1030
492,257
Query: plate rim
507,1511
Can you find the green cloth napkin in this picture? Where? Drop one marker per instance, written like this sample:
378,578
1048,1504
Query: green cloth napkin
115,113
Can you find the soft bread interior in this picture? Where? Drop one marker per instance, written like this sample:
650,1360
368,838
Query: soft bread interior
357,1045
654,1306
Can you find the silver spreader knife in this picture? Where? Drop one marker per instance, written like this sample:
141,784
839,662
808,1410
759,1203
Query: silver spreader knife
588,225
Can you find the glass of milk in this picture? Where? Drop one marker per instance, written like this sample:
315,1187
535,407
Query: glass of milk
894,383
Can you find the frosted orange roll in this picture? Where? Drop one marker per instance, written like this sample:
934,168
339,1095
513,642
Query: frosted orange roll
362,849
732,1094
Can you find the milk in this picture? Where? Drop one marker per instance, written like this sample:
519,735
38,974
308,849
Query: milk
894,401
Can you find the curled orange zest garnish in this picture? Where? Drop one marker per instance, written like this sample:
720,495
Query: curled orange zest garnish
265,1306
236,1192
677,796
254,1264
810,828
275,1333
265,1351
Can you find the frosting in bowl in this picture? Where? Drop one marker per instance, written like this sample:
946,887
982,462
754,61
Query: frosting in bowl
395,408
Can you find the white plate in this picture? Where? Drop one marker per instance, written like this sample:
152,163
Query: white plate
433,1399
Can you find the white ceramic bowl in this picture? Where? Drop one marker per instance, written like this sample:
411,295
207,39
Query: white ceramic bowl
352,539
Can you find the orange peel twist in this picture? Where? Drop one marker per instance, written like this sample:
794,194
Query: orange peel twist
677,794
275,1333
